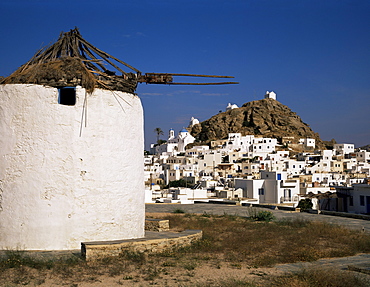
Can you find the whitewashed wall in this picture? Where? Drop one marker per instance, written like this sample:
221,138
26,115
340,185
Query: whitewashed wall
58,189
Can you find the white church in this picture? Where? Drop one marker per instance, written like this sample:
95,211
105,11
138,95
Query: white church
174,144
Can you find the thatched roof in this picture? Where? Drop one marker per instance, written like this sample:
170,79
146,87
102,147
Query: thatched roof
73,61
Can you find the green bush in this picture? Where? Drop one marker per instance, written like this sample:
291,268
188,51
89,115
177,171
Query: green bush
305,204
179,183
178,210
265,216
260,215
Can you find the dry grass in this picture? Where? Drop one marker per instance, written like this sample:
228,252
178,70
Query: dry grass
264,244
320,278
304,278
230,244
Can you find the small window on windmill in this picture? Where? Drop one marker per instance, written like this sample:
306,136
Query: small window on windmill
67,96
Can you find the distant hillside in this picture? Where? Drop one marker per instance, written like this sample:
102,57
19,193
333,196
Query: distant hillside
266,117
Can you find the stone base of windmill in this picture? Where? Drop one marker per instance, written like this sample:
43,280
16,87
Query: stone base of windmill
153,242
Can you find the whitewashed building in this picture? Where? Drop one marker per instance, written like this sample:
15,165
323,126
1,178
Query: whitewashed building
344,148
272,187
363,156
231,107
236,141
307,142
270,95
193,121
263,146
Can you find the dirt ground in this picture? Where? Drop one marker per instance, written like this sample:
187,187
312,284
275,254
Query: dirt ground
205,274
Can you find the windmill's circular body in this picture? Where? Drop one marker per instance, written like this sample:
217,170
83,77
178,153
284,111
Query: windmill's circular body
69,173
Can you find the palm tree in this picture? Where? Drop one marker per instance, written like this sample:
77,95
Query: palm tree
159,132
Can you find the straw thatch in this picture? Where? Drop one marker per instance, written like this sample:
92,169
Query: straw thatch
72,61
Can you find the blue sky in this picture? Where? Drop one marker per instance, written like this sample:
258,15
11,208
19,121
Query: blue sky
314,54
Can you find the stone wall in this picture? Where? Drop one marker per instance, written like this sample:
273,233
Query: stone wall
153,242
159,225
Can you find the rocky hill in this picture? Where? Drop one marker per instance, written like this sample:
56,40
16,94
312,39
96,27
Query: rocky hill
266,117
365,147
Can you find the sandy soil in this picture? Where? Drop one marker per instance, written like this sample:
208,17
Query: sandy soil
180,277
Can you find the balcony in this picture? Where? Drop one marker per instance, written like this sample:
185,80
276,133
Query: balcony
288,183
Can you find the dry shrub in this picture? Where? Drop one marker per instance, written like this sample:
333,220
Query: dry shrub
316,277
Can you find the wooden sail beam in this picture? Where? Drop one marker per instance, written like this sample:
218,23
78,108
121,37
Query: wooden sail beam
86,50
167,79
217,83
189,75
73,42
104,54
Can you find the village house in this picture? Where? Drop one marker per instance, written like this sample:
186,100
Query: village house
352,199
272,187
307,143
250,167
363,156
263,146
294,167
360,201
208,162
344,149
236,141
